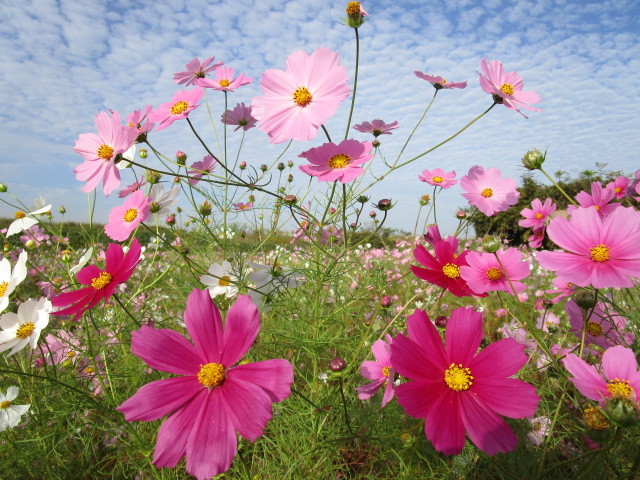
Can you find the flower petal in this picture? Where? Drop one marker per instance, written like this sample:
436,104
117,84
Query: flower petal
165,350
487,430
273,376
510,397
248,407
499,359
463,335
240,330
204,325
585,378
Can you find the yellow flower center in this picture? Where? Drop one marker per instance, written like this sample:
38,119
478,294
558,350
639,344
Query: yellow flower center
224,281
224,82
538,216
179,108
71,354
25,330
506,88
211,375
89,370
494,273
101,281
619,388
451,270
599,253
437,179
105,152
594,419
487,193
3,288
5,404
353,8
19,214
339,161
302,96
444,80
618,189
594,329
386,372
130,215
458,378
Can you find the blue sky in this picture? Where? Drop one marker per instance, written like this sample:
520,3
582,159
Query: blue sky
64,61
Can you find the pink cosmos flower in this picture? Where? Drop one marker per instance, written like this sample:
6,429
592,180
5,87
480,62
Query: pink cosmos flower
456,390
101,283
621,376
224,80
102,151
563,289
600,327
483,273
125,192
342,162
506,88
205,167
125,219
137,120
377,127
195,71
438,178
439,82
240,206
598,200
183,102
601,252
212,399
487,191
380,371
619,187
240,116
297,101
536,216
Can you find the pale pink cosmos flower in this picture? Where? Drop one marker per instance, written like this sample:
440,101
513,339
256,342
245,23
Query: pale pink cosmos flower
195,71
161,201
182,103
380,371
198,169
224,80
457,389
621,377
138,120
438,178
240,116
297,101
488,191
377,127
125,192
619,187
602,328
600,252
483,273
536,216
211,400
598,200
101,151
438,82
506,88
241,206
125,219
330,162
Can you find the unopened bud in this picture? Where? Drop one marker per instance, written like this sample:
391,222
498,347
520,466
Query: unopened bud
586,299
375,143
242,165
621,411
170,220
290,164
385,301
332,210
280,166
290,199
31,243
385,204
353,225
441,321
337,364
3,188
252,198
373,214
424,200
152,177
154,207
181,158
546,303
533,159
491,243
205,209
461,214
263,167
290,178
144,153
363,199
66,256
62,210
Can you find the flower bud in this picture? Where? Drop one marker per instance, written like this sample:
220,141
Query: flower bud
355,14
533,159
242,165
6,247
491,244
263,167
363,199
546,303
332,210
290,199
424,200
337,364
385,301
205,209
143,153
3,188
373,214
181,158
586,299
375,143
280,166
353,225
62,210
152,177
290,164
31,243
461,214
154,207
441,321
170,220
621,411
66,256
252,198
290,178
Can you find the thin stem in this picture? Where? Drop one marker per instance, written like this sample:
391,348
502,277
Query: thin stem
406,143
344,404
555,184
355,84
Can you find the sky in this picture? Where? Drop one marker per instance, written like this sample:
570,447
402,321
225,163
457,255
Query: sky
66,60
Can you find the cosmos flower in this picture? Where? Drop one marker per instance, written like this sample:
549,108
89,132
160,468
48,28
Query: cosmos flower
240,116
211,400
125,219
224,80
439,82
162,201
137,120
377,127
599,200
536,216
182,103
602,328
330,162
125,192
438,178
24,221
10,414
380,371
220,280
10,279
506,88
195,71
198,169
23,328
297,101
484,273
619,187
488,191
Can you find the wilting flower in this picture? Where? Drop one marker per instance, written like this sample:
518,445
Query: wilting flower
380,371
601,252
9,413
24,327
537,215
297,101
25,220
198,169
101,283
330,162
125,219
598,200
377,127
456,390
506,88
9,279
484,273
240,116
183,102
439,82
212,399
488,191
220,280
438,178
224,80
195,71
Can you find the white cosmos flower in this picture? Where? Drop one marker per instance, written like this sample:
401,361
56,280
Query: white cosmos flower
161,202
24,221
24,327
82,262
220,280
269,280
9,413
130,154
10,279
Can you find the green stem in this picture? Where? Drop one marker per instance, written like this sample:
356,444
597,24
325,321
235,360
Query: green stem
355,84
555,184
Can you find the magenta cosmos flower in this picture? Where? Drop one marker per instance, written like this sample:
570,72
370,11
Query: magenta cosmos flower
600,327
125,219
377,127
101,283
619,187
438,178
621,376
439,82
484,273
198,169
455,389
342,162
297,101
212,399
195,71
183,102
224,80
488,191
380,371
506,88
601,252
536,216
102,151
240,116
599,200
